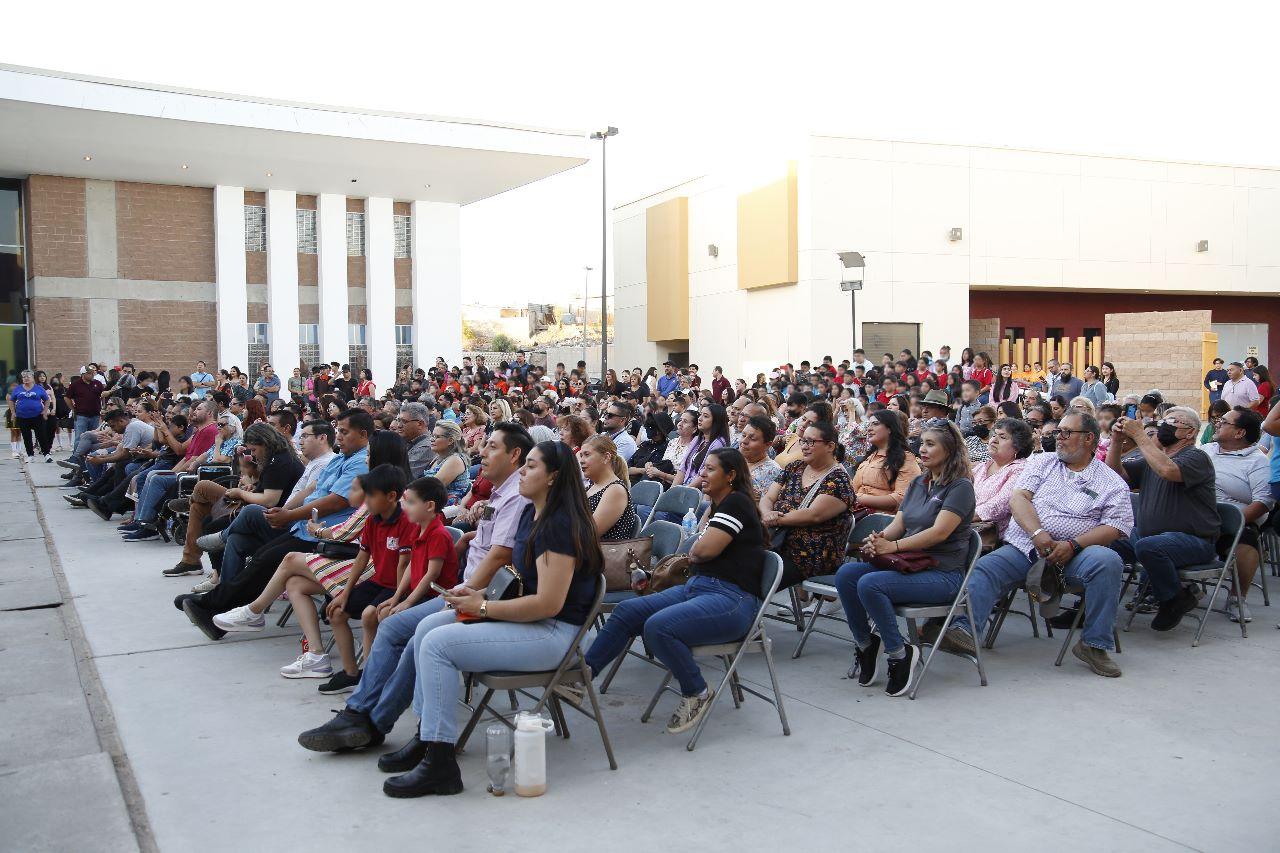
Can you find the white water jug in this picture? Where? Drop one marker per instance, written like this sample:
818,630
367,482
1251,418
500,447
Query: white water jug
531,754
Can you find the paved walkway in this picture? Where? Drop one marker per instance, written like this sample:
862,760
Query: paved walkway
1178,754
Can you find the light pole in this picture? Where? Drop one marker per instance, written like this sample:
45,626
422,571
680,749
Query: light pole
586,286
851,281
603,136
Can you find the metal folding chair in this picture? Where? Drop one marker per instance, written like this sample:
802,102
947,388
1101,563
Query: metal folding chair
677,500
823,587
914,613
1004,606
730,654
1231,521
571,671
666,541
646,493
455,534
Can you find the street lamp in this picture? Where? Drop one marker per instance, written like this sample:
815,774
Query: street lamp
586,298
851,282
603,136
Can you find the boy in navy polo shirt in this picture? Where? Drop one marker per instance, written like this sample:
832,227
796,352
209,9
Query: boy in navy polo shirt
385,545
434,558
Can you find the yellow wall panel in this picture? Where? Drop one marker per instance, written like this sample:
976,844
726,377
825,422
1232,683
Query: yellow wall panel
768,246
667,269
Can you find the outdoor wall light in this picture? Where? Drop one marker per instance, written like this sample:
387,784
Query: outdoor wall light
713,250
1202,246
956,235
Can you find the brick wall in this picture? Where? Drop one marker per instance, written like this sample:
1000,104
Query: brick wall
256,312
404,315
56,214
168,335
357,314
404,273
164,233
355,271
355,205
1158,349
305,202
61,334
984,335
308,270
308,313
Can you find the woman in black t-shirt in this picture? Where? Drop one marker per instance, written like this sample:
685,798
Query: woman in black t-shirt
556,555
718,603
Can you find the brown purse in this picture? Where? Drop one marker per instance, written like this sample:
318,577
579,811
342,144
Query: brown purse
906,562
623,557
672,570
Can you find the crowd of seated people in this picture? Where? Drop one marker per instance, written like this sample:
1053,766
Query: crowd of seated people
322,492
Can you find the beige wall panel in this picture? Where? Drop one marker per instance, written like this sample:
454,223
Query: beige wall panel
767,234
667,269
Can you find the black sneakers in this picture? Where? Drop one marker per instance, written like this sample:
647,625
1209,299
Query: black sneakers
866,663
902,671
347,730
183,569
1172,611
340,683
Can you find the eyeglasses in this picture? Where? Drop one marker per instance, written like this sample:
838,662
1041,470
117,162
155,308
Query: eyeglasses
1065,433
810,442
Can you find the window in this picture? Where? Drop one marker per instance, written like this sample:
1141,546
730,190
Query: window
355,234
306,232
1015,333
1091,335
255,228
877,338
257,333
404,236
355,334
1053,334
308,333
404,336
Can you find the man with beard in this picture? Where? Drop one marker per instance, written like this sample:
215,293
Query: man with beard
1177,506
1068,508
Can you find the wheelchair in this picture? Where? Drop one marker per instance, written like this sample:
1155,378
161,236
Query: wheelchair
173,525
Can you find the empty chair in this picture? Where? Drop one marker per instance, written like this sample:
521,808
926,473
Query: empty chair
677,500
645,494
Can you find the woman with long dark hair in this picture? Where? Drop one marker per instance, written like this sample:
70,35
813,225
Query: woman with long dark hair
881,481
718,602
557,556
713,432
1006,387
1110,379
387,448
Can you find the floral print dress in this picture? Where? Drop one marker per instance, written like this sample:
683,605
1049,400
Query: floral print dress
819,548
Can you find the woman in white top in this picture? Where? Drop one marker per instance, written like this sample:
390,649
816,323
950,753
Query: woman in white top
677,448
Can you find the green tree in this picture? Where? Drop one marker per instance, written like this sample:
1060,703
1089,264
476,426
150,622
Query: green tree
502,343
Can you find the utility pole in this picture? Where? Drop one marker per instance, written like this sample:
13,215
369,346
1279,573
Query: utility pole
603,136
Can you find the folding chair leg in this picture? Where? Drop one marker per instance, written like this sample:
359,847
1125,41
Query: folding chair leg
511,697
617,665
284,617
475,718
766,646
808,629
1137,599
977,647
797,610
599,718
1075,625
730,672
1208,607
653,703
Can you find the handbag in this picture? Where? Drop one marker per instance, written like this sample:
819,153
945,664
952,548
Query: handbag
905,562
779,537
505,585
672,570
622,558
337,550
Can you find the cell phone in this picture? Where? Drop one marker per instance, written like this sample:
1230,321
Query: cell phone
437,588
315,515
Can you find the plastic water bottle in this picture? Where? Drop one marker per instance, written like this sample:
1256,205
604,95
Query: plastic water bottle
498,761
689,524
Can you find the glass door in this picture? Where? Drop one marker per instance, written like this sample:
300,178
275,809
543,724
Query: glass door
14,353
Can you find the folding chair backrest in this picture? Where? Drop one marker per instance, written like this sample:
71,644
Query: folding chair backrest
1135,501
864,528
455,533
686,544
770,580
678,500
646,492
1232,521
975,549
666,537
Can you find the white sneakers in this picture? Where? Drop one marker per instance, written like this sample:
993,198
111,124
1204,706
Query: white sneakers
205,585
308,665
240,619
1236,609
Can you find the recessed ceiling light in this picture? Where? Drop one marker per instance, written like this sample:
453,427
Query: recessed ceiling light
184,165
268,174
87,158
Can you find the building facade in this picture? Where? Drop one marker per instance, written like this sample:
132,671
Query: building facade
165,227
961,245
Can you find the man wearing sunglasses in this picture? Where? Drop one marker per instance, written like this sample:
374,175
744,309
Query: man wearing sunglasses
614,423
1177,505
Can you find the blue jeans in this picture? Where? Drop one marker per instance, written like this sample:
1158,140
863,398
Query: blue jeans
84,423
1162,555
151,491
386,683
449,648
83,445
246,534
868,595
1097,567
703,611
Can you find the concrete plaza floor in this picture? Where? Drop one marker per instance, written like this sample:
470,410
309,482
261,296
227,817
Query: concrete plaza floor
1176,754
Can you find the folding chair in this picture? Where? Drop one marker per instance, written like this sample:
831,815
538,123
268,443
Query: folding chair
455,534
1002,610
1231,521
666,541
914,613
730,654
823,587
571,671
677,500
646,493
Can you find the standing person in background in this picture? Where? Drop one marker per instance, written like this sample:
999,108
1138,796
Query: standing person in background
202,381
366,388
85,401
61,411
1065,384
1265,388
1093,389
1215,379
32,406
1110,379
1239,390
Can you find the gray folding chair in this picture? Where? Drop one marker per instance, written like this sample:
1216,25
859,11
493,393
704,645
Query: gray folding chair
730,654
1004,606
666,541
823,587
1231,520
914,613
677,500
646,493
666,537
455,533
571,671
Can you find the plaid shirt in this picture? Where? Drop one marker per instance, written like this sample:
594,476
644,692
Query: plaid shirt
1071,503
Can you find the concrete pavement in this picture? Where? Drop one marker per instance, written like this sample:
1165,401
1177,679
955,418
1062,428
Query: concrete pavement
1176,754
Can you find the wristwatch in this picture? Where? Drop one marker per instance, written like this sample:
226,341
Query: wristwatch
1076,548
484,609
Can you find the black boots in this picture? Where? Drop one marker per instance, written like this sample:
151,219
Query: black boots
405,758
347,730
437,773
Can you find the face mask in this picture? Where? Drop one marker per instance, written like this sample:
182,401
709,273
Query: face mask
1048,444
1167,435
982,431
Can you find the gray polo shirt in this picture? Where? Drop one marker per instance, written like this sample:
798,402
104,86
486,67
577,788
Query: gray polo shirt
1242,476
421,456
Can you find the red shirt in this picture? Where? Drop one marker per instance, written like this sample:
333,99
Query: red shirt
434,543
202,440
481,488
985,378
386,541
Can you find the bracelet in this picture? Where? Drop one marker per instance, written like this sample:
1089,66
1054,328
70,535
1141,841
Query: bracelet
1039,530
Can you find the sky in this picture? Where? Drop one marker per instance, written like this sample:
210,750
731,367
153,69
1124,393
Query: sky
694,85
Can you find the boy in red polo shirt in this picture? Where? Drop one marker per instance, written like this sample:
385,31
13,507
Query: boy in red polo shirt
434,558
386,544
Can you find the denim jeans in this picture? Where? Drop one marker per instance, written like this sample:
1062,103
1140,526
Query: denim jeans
387,682
152,491
83,445
703,611
449,648
247,533
1097,567
1162,555
868,593
84,423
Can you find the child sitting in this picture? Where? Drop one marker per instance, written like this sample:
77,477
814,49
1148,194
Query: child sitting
434,560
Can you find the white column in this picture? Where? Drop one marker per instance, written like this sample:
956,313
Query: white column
230,276
437,282
380,290
282,279
331,232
